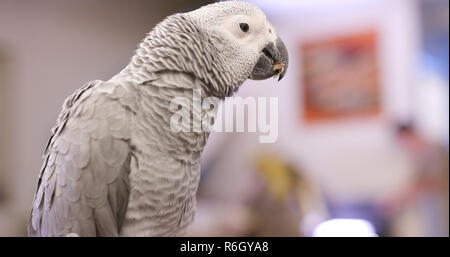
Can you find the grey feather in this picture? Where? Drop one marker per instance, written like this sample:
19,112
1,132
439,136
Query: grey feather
82,165
113,166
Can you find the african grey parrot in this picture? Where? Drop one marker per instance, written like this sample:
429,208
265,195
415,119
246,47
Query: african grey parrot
113,166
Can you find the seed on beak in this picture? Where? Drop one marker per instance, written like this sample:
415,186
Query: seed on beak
278,68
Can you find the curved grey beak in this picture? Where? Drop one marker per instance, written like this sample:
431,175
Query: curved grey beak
273,62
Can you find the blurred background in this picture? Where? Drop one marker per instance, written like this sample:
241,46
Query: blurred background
363,132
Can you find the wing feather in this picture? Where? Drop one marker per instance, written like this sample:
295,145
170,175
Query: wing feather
83,185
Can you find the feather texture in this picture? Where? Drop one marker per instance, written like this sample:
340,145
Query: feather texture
113,166
84,166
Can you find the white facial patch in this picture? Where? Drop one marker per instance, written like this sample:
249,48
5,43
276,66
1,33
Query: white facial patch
259,33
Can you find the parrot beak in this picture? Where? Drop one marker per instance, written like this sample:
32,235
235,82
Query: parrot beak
273,62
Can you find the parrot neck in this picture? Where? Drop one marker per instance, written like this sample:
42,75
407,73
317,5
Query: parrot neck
177,45
173,61
182,130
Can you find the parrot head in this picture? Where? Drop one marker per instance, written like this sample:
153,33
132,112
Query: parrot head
221,44
244,39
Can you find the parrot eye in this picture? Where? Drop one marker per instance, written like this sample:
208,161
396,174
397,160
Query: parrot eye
244,27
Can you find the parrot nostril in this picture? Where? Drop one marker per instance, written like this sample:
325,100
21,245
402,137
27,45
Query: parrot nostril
267,53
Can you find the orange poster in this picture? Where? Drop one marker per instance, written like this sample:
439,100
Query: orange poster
340,77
